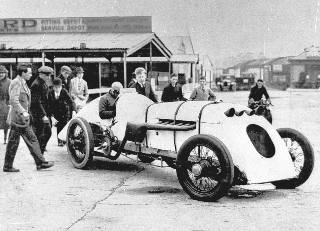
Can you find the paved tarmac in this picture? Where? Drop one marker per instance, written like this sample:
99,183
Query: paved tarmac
126,195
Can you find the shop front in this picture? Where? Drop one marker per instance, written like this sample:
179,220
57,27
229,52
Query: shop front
109,49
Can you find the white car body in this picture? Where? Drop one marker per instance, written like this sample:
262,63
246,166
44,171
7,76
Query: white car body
210,119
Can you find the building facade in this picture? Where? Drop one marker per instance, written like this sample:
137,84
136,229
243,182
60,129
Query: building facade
109,48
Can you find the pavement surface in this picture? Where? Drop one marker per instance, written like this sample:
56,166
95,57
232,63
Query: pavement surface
130,195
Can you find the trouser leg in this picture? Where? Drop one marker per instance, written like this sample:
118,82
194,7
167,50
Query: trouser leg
60,126
5,134
43,133
12,146
32,143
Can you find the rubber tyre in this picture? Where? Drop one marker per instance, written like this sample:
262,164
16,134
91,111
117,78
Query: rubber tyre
85,143
225,161
308,154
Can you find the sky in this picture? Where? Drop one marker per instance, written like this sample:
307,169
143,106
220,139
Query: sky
218,28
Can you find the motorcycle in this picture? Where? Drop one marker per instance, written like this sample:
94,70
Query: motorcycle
262,107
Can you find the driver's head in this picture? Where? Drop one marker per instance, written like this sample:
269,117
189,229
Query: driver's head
141,75
115,88
260,83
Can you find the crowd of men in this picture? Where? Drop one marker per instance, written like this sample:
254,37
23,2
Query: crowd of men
31,112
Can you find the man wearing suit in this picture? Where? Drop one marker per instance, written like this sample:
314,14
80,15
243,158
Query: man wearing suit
39,108
61,105
79,89
20,100
142,86
65,77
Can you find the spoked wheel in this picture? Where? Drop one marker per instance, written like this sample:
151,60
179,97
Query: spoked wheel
302,156
205,168
80,142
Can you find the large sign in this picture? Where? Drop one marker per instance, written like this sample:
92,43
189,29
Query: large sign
139,24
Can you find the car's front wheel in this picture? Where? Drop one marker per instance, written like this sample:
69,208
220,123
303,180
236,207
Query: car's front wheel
80,142
205,168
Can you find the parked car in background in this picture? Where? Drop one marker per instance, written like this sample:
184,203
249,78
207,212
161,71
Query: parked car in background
245,82
226,82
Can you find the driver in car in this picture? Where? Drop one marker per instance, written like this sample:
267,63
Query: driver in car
257,92
107,103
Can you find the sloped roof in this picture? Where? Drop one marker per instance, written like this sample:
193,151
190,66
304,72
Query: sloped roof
98,41
281,61
178,45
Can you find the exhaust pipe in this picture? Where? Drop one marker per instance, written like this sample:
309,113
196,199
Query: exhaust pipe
231,112
239,113
249,113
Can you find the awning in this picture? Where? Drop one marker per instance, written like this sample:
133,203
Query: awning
82,44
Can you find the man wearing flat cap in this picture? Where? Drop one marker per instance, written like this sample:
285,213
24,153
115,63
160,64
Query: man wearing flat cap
19,120
65,77
79,89
40,108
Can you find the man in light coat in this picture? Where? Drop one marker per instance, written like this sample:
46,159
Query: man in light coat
79,89
20,100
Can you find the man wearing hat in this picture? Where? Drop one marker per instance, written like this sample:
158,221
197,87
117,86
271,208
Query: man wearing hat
61,105
65,77
40,108
79,89
19,120
4,101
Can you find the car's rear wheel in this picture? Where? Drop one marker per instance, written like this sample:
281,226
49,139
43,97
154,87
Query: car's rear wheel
302,156
205,168
80,142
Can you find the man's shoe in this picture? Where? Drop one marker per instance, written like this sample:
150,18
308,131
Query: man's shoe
12,169
44,165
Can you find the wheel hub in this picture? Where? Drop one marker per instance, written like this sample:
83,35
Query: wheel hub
200,168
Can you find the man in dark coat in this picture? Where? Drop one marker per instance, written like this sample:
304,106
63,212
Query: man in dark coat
4,101
39,107
142,86
107,103
65,77
173,90
61,105
257,92
20,100
133,80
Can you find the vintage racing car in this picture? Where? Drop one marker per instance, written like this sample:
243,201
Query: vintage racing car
212,145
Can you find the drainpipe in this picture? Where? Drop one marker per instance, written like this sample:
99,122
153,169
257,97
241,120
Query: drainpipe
125,69
43,58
